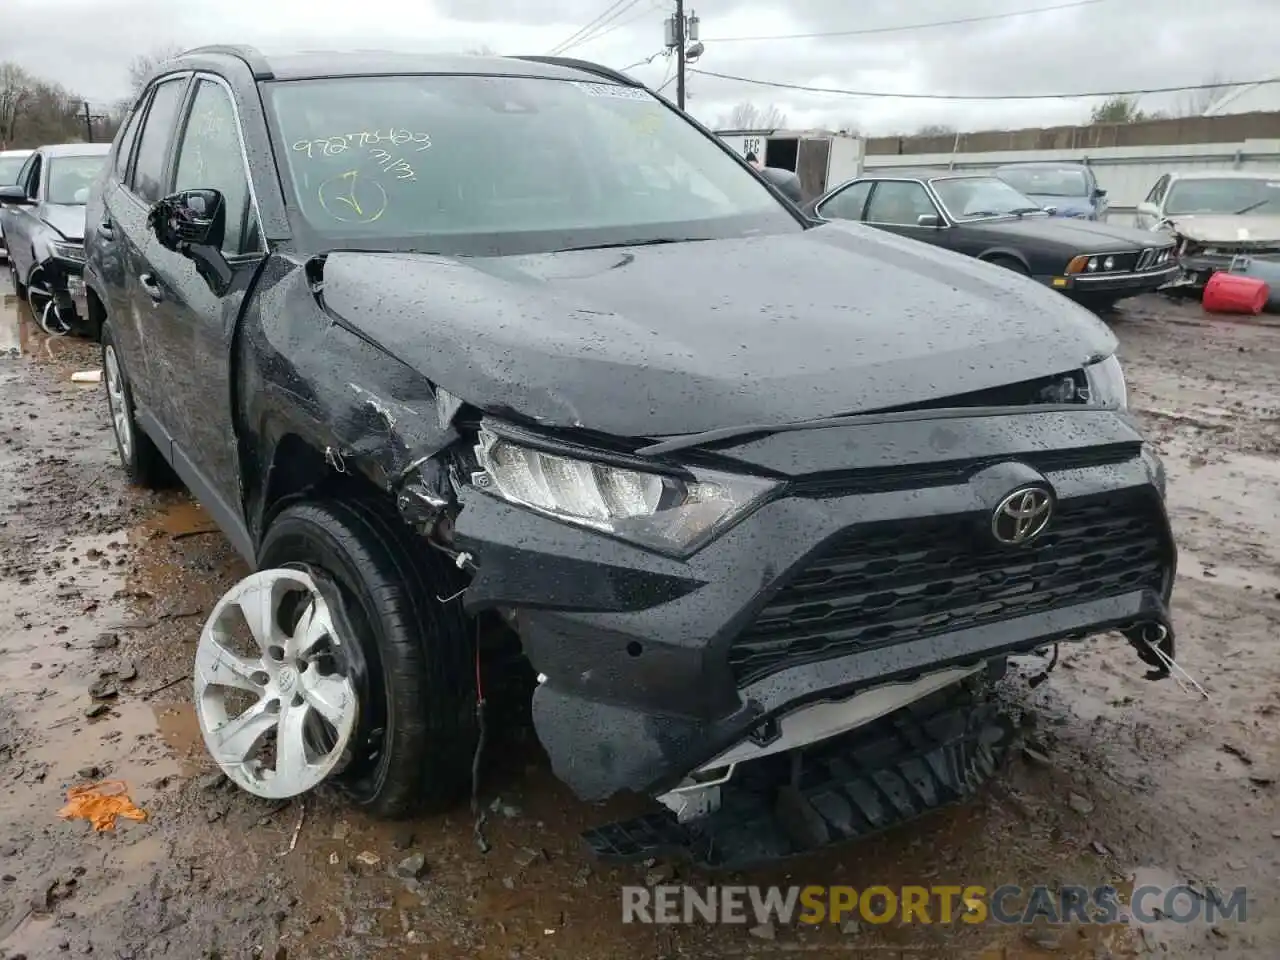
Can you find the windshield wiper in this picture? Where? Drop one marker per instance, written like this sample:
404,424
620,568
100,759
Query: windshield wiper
1021,210
631,243
982,213
1253,206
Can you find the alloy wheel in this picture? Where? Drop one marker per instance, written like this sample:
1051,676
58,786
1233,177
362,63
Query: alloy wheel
116,402
275,707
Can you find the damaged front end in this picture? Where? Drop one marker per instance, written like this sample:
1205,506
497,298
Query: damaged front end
1201,253
785,662
56,289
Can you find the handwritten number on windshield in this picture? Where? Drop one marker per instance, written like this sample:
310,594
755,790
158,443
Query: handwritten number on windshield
350,198
340,143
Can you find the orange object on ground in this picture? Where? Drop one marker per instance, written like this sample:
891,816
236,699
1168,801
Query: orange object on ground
94,803
1232,293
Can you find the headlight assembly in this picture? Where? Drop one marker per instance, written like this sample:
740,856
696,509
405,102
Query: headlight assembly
68,251
659,511
1105,384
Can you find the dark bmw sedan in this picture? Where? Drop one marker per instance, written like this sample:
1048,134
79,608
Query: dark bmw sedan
1095,264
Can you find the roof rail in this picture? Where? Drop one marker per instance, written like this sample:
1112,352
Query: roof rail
617,76
252,58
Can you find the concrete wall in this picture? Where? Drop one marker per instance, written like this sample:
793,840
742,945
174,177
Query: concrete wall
1128,158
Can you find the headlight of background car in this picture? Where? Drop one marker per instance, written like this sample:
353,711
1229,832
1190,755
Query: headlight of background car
654,510
68,251
1106,386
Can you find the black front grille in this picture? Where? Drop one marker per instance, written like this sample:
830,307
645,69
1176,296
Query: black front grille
890,583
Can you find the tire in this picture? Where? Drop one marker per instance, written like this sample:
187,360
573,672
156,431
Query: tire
1009,263
416,734
19,288
142,461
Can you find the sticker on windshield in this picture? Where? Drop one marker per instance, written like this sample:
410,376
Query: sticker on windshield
615,90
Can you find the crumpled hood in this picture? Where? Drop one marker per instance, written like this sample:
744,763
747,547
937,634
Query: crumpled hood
679,338
1248,228
67,219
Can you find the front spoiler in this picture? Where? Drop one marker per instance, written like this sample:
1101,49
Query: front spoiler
929,754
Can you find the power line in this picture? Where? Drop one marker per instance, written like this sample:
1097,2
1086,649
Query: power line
612,12
802,88
642,63
903,28
596,36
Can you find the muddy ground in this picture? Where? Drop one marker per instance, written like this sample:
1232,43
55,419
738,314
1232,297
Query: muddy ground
1129,781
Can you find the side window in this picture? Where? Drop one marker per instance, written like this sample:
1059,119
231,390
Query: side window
210,157
124,142
33,176
153,144
899,203
25,173
848,203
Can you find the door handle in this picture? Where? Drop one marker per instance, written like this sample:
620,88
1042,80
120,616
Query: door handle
105,229
150,285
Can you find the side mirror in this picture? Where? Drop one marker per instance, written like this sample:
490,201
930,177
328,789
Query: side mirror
15,195
786,182
192,217
1051,211
929,220
1099,193
193,223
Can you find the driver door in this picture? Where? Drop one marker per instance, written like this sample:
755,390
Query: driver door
193,328
897,205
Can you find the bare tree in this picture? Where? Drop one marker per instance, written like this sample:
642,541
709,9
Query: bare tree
1193,103
15,93
140,67
482,50
35,111
747,116
935,130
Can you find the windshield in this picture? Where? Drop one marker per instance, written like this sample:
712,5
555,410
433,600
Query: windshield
9,167
1235,196
71,177
972,198
497,165
1046,181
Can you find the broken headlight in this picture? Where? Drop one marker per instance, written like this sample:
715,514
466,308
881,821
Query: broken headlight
660,511
1105,384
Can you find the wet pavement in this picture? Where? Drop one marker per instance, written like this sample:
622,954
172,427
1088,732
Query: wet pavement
1127,782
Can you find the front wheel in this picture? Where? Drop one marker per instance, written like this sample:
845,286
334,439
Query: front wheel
407,654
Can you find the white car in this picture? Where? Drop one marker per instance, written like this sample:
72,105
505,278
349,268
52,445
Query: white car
11,162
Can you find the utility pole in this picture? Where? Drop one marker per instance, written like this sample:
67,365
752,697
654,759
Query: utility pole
682,37
88,124
679,32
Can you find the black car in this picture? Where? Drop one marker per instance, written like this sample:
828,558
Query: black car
42,216
608,419
1095,264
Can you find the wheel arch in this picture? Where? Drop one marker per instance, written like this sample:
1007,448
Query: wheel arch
1005,253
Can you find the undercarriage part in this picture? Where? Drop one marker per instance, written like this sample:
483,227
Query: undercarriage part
932,753
1151,639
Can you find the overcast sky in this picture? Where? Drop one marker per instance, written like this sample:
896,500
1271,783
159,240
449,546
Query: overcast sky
1103,45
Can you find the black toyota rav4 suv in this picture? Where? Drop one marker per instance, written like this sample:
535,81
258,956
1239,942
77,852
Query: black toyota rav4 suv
486,358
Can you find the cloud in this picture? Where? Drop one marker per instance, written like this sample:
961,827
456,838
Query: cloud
1105,45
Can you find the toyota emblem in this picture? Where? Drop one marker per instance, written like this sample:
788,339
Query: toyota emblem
1022,515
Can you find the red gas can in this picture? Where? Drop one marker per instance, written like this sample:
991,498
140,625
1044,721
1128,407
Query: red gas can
1229,293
